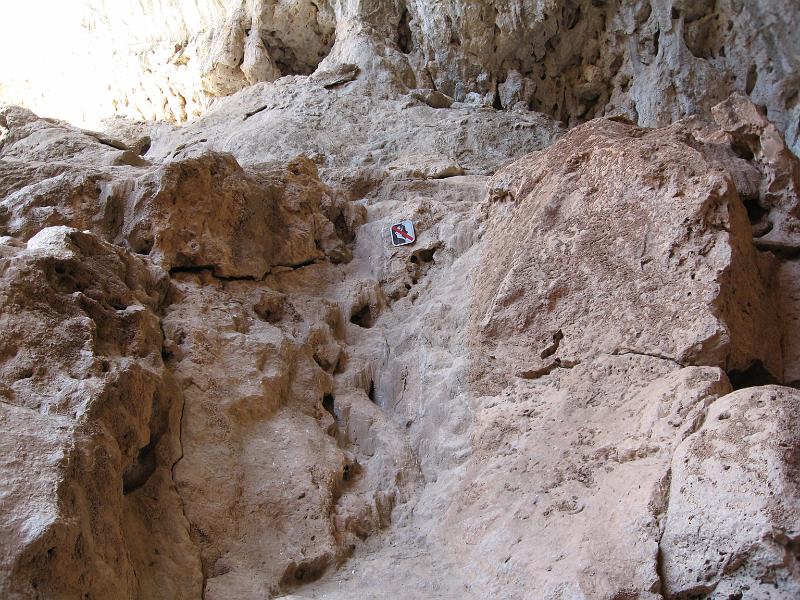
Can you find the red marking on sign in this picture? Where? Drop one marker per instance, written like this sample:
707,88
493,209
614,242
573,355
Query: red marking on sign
399,231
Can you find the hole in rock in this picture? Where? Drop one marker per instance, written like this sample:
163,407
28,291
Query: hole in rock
270,307
426,255
138,473
420,262
25,374
572,14
297,49
752,79
404,36
755,212
305,572
143,246
553,348
455,39
328,404
363,317
496,103
117,304
67,279
756,374
371,393
742,150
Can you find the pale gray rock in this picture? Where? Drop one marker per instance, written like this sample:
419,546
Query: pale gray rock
565,494
353,128
733,523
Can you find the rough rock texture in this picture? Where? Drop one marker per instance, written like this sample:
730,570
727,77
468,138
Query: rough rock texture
203,211
774,209
206,215
617,240
356,138
91,423
219,379
732,525
619,279
250,362
655,60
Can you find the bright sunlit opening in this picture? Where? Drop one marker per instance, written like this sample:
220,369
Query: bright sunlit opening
50,64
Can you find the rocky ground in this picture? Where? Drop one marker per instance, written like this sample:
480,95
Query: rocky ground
219,379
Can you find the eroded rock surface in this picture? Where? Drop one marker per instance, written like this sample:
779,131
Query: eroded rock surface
655,60
616,240
220,379
732,527
91,422
204,211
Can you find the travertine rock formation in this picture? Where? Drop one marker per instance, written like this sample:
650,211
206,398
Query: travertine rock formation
621,283
91,425
655,60
219,379
635,243
736,479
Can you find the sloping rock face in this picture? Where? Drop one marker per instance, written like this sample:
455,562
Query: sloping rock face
119,425
655,60
266,327
625,242
221,380
620,283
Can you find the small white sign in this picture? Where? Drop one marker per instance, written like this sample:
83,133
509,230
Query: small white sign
402,233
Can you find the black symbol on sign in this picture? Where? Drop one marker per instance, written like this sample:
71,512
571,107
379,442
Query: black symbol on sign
402,233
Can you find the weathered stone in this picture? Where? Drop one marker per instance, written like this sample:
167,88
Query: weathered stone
656,60
756,139
259,439
566,491
201,211
223,380
734,507
90,426
432,98
618,240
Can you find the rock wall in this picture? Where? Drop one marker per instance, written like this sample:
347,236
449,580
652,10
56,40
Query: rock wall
219,379
622,299
653,60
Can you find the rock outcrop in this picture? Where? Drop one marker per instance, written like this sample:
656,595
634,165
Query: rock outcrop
220,379
616,240
619,283
731,528
91,422
654,60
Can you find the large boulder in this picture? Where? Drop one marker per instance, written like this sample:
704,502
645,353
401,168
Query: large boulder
734,502
619,240
90,426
